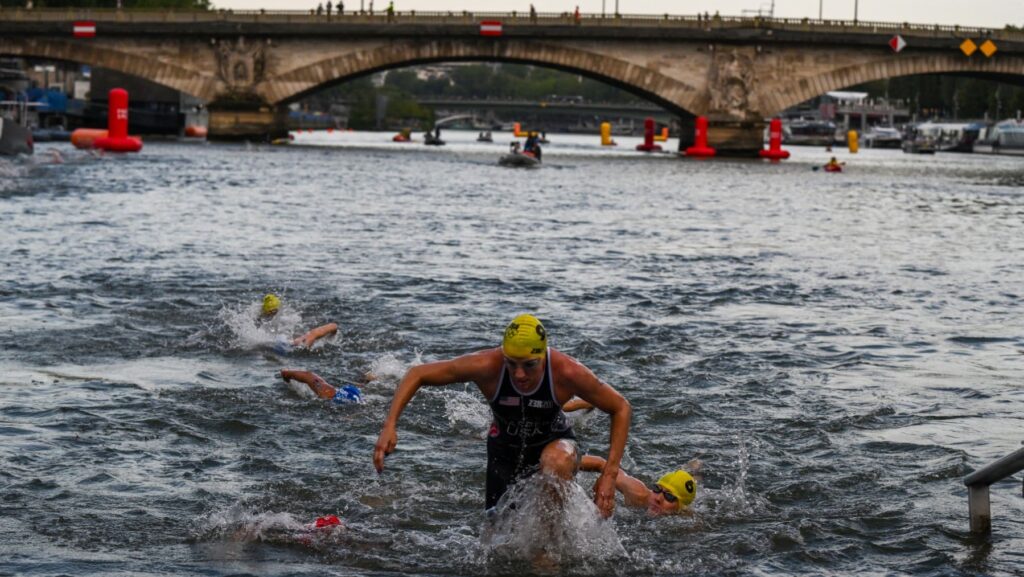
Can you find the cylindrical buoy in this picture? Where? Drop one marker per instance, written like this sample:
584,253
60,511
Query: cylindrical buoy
117,139
700,148
606,134
663,136
775,151
648,145
517,130
852,141
195,131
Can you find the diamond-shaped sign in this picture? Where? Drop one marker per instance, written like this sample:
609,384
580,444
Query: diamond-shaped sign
988,48
897,43
968,47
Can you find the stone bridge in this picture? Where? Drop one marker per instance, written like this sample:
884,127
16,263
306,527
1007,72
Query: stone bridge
735,71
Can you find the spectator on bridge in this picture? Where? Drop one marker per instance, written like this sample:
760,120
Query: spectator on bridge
391,10
320,9
576,14
329,8
371,7
533,14
341,7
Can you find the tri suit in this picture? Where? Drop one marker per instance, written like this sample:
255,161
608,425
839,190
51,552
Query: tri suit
523,425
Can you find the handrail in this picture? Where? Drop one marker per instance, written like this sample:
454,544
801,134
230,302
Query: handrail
978,504
696,21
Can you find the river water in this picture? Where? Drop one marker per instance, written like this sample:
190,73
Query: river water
838,349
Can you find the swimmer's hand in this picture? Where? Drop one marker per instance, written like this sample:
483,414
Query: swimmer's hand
385,446
604,494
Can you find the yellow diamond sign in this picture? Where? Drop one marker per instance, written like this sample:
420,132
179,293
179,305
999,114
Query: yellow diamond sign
988,48
968,47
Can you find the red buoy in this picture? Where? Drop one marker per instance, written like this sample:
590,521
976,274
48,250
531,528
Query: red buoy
117,139
648,145
700,148
775,151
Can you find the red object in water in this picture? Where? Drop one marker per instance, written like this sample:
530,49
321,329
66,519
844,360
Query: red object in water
833,168
648,145
117,139
327,521
775,151
700,148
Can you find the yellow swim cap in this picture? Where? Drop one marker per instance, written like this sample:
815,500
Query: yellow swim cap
680,484
525,337
270,304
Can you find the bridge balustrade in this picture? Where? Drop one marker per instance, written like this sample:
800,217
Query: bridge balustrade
694,21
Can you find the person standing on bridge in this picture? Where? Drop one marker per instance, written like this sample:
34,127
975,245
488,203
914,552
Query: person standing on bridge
320,9
576,15
533,14
391,11
328,8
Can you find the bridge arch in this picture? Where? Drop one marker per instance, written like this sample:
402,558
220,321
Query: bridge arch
776,97
134,63
674,95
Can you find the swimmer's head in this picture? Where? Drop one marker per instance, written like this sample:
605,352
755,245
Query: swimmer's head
677,488
525,338
271,304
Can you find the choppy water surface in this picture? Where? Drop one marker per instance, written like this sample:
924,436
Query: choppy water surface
839,350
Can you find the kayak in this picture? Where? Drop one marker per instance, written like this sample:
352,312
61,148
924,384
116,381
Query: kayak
518,159
833,168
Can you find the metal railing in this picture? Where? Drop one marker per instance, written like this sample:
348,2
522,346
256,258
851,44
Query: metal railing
693,21
978,482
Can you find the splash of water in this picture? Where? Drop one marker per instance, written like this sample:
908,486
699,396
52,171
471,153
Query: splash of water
387,368
246,330
551,524
467,414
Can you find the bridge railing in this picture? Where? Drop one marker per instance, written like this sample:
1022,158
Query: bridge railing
693,21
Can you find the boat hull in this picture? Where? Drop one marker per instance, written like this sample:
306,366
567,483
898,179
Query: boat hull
14,138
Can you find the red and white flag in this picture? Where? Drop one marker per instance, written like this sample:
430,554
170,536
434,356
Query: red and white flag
490,28
84,29
897,43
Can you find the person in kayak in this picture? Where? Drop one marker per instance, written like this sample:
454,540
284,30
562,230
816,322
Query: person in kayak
526,383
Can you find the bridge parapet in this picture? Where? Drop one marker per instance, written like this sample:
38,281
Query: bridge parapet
516,19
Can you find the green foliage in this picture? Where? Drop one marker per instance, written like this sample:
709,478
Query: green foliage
947,96
128,4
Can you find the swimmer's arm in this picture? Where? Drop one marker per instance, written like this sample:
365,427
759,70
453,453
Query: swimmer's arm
588,387
471,367
316,334
321,387
633,490
576,405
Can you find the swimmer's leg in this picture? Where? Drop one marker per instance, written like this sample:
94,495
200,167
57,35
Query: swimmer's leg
322,388
560,459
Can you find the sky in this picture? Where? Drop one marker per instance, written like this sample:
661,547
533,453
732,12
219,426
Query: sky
986,13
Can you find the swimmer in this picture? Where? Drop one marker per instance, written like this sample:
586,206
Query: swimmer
270,308
526,383
343,395
671,495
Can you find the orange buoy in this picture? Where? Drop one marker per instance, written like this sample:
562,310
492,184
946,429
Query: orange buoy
195,131
85,137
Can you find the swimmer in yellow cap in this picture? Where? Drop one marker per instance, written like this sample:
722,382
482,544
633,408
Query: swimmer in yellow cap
526,382
671,495
269,309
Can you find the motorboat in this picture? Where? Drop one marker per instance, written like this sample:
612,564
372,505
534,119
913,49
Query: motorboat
15,136
517,159
1006,137
951,136
808,132
882,137
917,142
